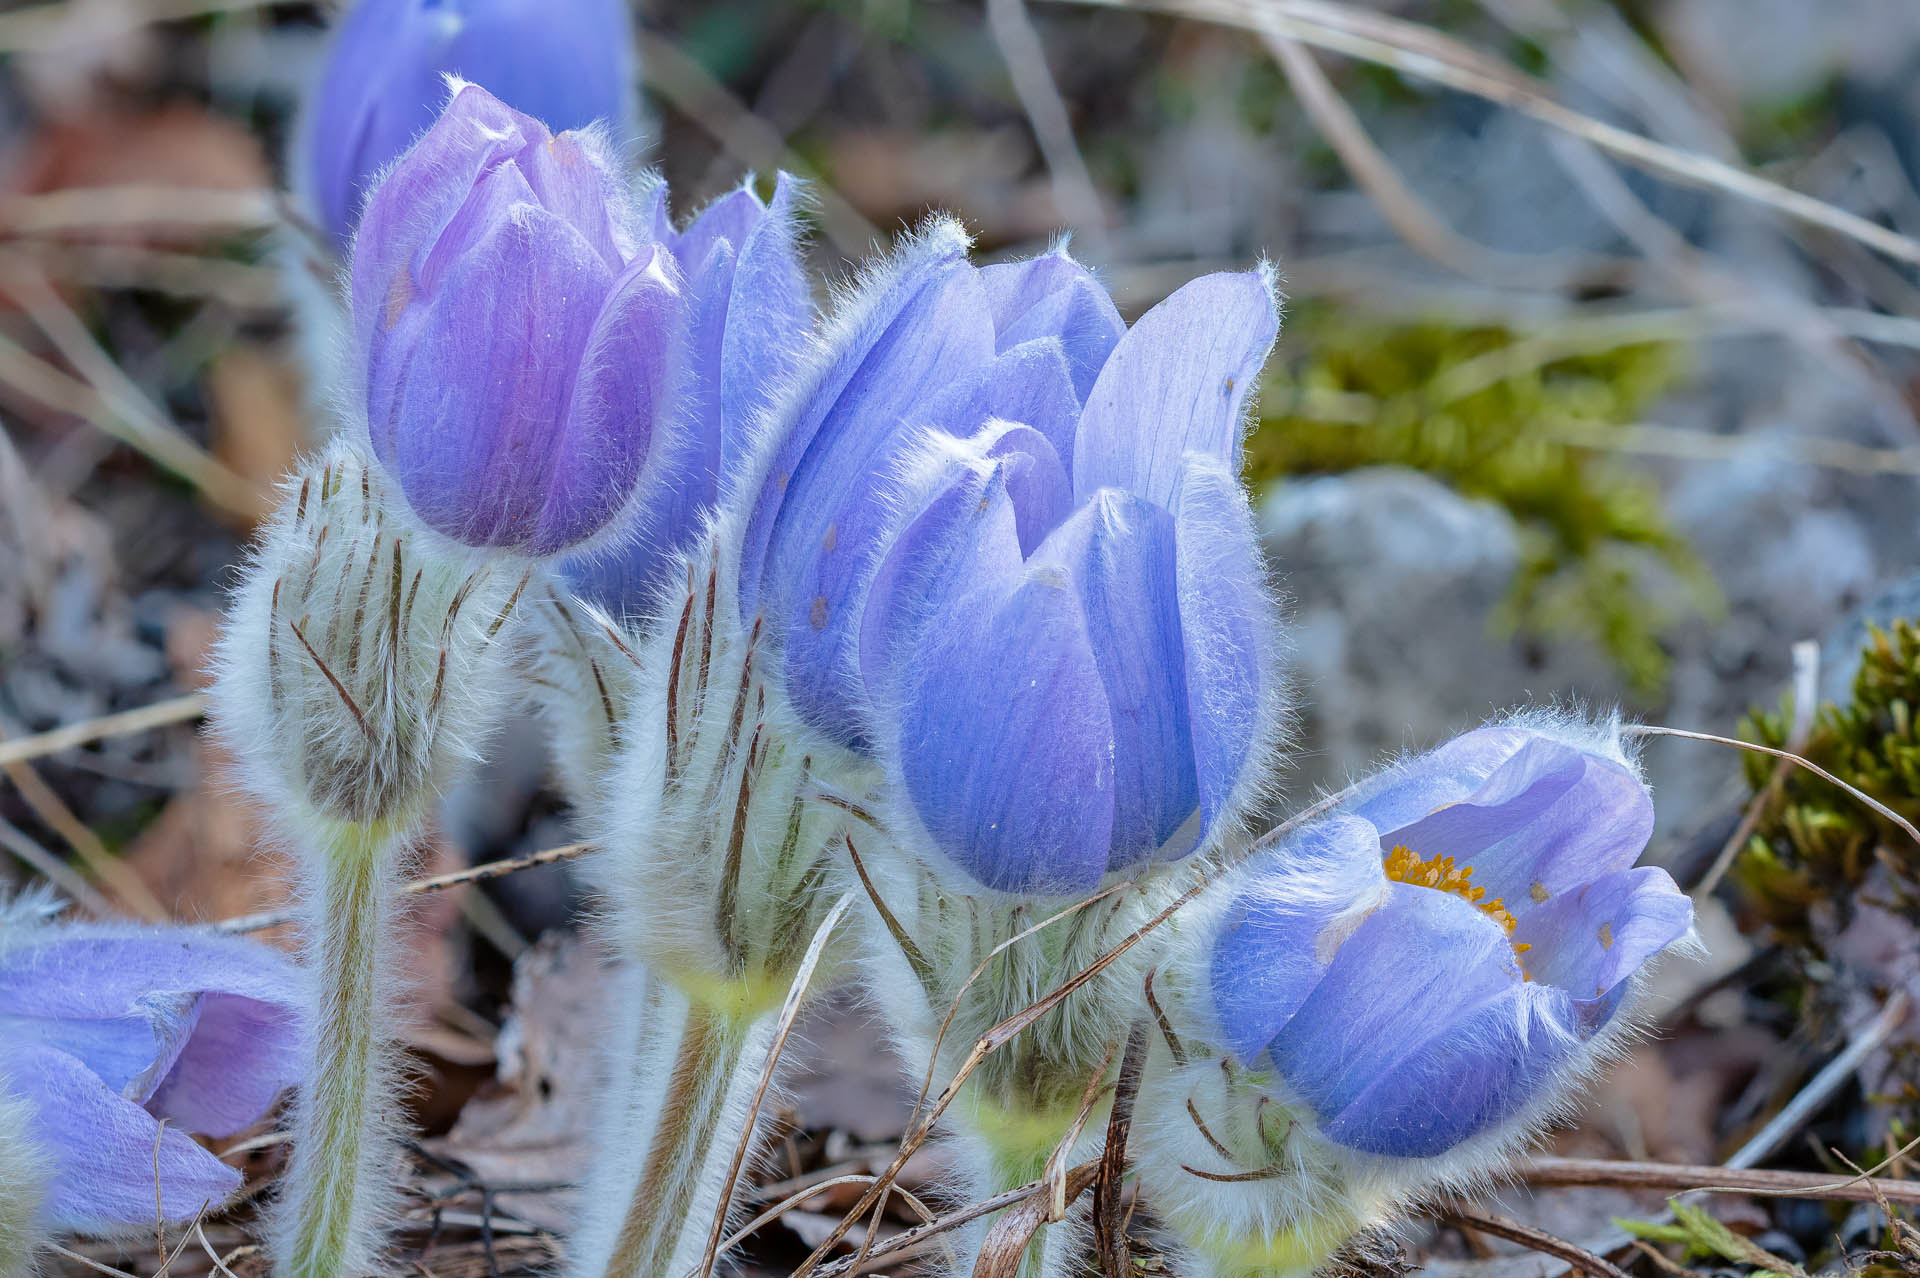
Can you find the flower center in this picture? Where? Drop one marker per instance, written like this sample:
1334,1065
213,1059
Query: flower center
1438,872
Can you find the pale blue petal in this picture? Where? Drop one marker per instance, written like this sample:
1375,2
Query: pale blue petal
1479,1071
1118,552
1292,908
1421,962
1054,296
105,1148
1177,383
1549,818
1227,625
1003,735
1589,939
1027,384
1416,787
810,542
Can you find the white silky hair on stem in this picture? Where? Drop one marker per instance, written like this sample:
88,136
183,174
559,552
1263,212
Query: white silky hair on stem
714,856
362,664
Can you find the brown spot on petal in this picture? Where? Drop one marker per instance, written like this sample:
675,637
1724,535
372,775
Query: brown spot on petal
818,613
1606,936
398,296
832,539
1538,892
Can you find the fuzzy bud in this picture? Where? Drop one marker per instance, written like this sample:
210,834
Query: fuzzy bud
362,660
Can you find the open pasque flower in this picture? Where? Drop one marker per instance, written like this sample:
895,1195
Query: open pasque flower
117,1041
515,332
1006,552
385,80
1413,982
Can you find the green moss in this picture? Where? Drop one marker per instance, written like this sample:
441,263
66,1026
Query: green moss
1473,408
1814,841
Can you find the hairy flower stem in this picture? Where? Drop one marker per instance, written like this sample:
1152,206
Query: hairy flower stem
680,1100
340,1191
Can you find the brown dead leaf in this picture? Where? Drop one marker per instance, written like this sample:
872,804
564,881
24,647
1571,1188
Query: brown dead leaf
257,425
535,1122
181,145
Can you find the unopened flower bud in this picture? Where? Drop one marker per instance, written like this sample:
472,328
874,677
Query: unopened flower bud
515,337
568,64
362,660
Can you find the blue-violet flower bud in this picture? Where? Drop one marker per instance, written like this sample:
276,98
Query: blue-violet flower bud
385,80
120,1040
516,344
1007,552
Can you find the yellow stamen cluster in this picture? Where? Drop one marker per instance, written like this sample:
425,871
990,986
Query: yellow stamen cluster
1439,873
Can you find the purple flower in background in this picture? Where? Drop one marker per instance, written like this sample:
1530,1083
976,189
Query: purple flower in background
122,1040
749,317
567,64
516,343
1440,957
1006,550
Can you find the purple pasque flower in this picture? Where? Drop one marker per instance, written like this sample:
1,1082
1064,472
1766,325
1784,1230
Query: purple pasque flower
749,318
1442,956
515,334
384,81
1005,549
123,1040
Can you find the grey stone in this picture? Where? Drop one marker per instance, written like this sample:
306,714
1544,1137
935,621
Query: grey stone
1393,581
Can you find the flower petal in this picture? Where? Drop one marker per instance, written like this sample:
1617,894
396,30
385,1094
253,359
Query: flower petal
1177,383
384,81
1118,552
149,1012
1549,818
620,414
1589,939
1028,384
466,394
1294,907
1227,630
1054,296
1480,1070
105,1149
425,191
241,1056
1425,783
917,325
1424,960
1003,736
1037,483
769,320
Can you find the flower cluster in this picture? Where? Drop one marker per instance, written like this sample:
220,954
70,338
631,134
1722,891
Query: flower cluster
946,613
